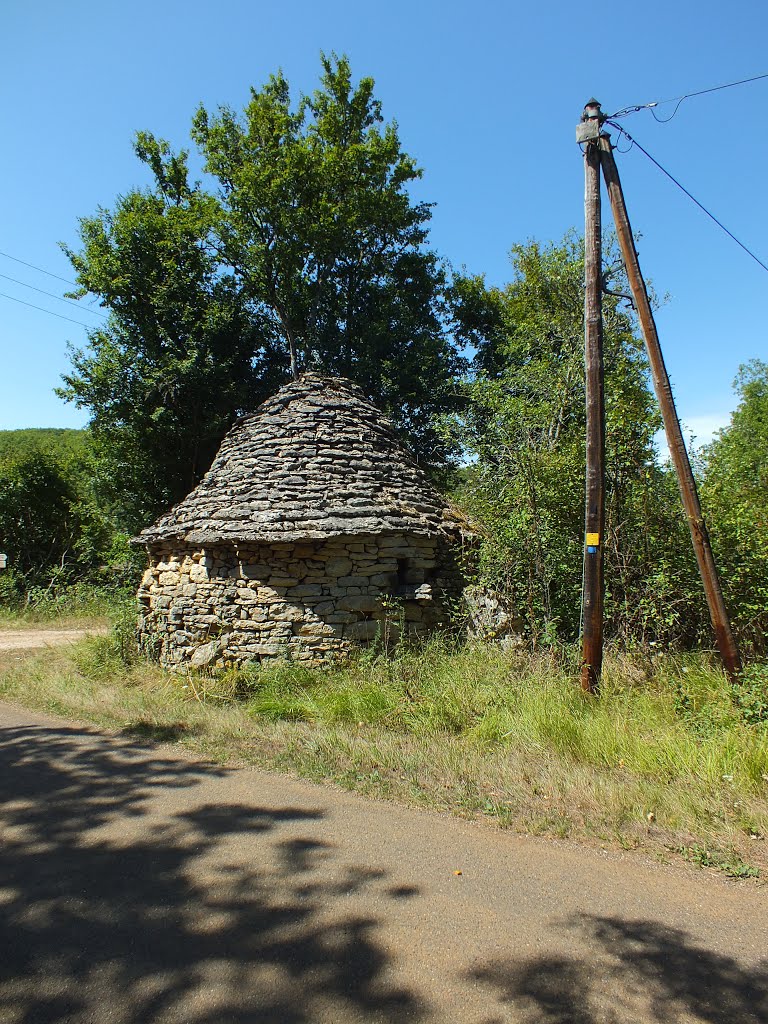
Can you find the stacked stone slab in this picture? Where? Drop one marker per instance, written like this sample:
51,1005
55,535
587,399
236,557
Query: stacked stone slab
312,532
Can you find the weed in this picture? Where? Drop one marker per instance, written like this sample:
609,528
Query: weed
730,864
750,694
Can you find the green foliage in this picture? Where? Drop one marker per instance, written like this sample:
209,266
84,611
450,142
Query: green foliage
525,429
677,725
735,499
64,555
181,354
311,253
48,530
729,863
105,657
751,694
64,443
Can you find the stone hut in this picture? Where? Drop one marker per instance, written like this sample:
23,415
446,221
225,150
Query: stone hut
313,531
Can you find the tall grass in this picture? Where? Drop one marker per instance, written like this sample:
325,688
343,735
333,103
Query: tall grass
76,604
669,756
681,721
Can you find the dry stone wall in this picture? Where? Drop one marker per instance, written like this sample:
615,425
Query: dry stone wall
311,601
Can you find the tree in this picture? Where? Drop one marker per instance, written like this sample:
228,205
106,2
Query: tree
318,226
735,500
181,354
525,428
50,528
312,254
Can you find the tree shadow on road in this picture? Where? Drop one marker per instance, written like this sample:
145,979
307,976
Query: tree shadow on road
162,922
640,971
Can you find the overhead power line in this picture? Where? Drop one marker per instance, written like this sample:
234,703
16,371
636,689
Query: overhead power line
43,310
693,198
625,111
59,298
42,271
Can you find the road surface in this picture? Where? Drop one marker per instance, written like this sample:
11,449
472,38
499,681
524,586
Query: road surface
33,639
138,886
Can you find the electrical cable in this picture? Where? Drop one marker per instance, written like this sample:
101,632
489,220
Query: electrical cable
59,298
33,267
625,111
693,198
43,310
666,120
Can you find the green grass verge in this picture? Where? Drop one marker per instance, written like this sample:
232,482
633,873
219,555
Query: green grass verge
79,605
669,758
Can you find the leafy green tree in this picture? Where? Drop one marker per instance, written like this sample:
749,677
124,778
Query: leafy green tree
735,501
50,527
65,443
181,354
317,224
526,428
311,254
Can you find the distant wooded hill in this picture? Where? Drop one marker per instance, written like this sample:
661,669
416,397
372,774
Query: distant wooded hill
58,441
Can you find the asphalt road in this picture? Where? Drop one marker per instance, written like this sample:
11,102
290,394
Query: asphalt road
137,886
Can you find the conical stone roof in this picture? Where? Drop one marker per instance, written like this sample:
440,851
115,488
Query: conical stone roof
315,460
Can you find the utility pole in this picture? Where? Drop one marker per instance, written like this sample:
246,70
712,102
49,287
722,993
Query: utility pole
594,505
677,450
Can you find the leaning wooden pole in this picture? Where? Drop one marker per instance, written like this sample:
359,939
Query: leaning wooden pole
594,510
720,623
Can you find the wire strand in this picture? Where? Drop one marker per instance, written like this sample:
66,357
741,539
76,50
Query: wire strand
693,198
33,267
59,298
625,111
43,310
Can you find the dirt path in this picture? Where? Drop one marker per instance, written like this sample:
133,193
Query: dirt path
139,886
32,639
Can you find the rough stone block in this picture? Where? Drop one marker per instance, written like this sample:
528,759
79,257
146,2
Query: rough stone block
304,590
290,613
366,630
338,567
250,626
413,613
383,579
316,629
205,655
341,617
273,650
359,603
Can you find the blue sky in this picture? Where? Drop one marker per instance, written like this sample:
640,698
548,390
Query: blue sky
487,96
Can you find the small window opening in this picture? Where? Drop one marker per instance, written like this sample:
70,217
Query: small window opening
402,572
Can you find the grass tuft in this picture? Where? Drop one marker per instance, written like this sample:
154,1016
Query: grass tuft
668,757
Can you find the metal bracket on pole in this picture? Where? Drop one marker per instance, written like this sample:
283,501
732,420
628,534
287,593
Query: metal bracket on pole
588,130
